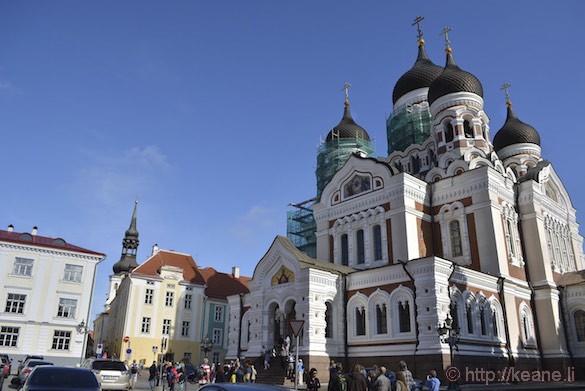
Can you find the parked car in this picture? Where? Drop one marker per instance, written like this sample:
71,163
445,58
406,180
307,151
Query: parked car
6,365
111,374
27,369
61,378
241,387
25,361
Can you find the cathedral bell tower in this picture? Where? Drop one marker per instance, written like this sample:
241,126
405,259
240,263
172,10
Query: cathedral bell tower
456,102
127,261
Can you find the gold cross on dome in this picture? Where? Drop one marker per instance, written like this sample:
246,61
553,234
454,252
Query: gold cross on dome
505,87
417,21
445,32
346,88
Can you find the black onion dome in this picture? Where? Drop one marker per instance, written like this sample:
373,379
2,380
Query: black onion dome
421,75
515,131
347,128
454,79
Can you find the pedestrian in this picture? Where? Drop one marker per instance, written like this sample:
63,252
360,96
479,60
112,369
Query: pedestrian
172,376
401,384
433,383
287,344
206,371
133,374
356,380
152,375
267,355
253,374
313,383
291,367
382,382
337,379
301,371
409,380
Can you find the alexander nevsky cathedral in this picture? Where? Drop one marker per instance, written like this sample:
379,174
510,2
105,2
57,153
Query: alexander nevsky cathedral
460,247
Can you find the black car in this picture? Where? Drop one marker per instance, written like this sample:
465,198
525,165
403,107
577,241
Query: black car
241,387
53,378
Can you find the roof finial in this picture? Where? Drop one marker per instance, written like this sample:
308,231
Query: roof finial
445,32
417,21
346,88
505,87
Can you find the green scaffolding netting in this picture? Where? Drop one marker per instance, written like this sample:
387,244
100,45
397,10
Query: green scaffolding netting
406,126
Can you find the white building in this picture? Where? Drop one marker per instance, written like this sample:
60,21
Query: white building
46,288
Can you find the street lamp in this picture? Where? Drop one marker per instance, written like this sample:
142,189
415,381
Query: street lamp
206,345
450,335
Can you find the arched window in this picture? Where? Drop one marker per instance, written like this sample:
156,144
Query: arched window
381,319
377,234
495,322
455,234
468,129
361,252
344,250
482,320
360,321
580,325
526,324
328,320
415,160
454,311
404,316
449,131
469,317
510,238
248,334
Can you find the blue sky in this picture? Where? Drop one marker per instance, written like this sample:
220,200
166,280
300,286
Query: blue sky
212,111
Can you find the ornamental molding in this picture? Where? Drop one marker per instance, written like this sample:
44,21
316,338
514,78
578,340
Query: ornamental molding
473,278
377,277
456,99
49,251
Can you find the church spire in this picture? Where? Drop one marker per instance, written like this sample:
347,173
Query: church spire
127,261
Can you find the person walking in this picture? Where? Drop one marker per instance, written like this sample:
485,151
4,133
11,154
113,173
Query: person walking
133,374
313,383
207,371
152,375
401,382
408,379
253,374
356,380
267,355
382,382
301,371
337,379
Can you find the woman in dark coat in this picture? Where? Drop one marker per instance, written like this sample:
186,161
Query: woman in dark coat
357,381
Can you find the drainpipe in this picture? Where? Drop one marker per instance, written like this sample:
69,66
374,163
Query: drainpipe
501,281
240,332
415,309
345,339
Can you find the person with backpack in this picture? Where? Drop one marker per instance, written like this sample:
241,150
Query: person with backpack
133,374
152,375
337,379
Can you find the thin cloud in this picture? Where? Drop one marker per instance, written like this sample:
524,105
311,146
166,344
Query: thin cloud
249,227
6,87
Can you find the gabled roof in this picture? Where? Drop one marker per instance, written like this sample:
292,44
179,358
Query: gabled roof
306,261
42,241
186,262
219,285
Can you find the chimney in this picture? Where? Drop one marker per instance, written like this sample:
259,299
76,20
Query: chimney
11,228
34,231
154,249
236,272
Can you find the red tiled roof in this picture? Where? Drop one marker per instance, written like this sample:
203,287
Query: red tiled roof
169,258
42,241
221,285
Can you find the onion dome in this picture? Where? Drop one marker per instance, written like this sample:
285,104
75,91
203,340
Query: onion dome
421,75
515,131
453,79
347,128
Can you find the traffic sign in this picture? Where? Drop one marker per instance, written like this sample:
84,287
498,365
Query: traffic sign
100,346
126,339
128,351
99,349
296,326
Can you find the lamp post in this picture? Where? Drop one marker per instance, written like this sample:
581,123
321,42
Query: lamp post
81,328
449,335
206,345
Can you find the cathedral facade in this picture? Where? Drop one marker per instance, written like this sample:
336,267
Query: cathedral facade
456,233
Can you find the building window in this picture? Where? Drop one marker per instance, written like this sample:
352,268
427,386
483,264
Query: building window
149,282
216,359
148,295
169,299
381,319
468,129
344,250
67,308
15,303
495,322
23,267
404,316
185,328
360,321
454,311
328,320
527,324
218,314
73,273
482,315
455,234
145,325
580,325
61,340
449,131
361,252
216,337
188,299
469,317
377,234
9,336
166,329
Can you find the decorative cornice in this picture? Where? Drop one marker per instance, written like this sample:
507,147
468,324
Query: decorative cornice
47,250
